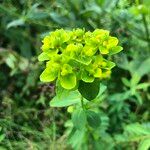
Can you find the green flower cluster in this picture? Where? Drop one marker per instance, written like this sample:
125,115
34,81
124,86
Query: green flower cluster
77,55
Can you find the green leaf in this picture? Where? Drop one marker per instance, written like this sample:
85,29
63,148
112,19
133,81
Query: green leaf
144,144
102,89
120,96
89,90
98,73
93,119
113,41
141,69
14,23
103,50
48,75
79,118
68,81
2,137
86,77
143,86
43,56
65,98
138,129
115,50
36,13
83,60
76,138
11,60
110,64
56,17
125,81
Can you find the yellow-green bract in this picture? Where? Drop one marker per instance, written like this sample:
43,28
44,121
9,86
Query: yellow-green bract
77,55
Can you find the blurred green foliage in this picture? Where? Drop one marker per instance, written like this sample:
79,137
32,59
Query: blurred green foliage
27,121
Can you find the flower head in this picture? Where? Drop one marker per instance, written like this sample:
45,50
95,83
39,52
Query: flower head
77,55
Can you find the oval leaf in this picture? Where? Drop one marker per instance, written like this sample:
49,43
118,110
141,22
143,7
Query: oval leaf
93,119
68,81
79,118
65,98
89,90
48,75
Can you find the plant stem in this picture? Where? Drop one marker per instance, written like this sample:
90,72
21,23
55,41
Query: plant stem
82,103
138,2
146,30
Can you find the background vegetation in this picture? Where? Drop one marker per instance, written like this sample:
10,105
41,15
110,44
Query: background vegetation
27,121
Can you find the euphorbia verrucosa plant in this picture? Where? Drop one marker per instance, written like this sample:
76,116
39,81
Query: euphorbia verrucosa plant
77,61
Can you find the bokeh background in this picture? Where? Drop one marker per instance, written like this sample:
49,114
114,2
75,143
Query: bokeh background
26,119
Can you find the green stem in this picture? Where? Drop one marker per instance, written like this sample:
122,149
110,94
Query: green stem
82,103
146,30
139,2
